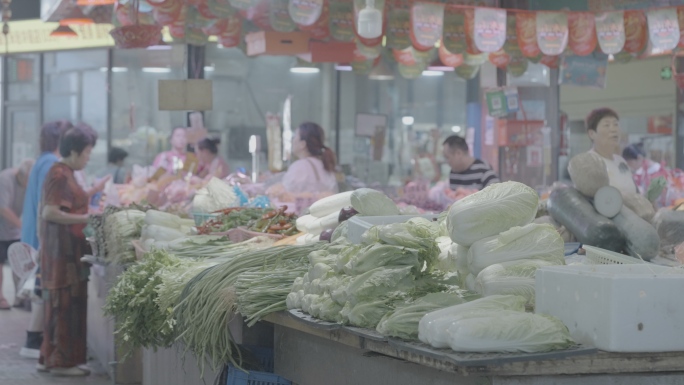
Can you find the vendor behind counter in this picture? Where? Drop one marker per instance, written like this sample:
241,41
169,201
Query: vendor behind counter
314,171
466,171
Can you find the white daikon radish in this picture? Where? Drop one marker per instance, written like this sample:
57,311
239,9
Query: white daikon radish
608,201
321,224
331,204
304,222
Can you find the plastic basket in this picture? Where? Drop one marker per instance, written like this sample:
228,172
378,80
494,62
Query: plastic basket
264,356
200,218
599,256
238,377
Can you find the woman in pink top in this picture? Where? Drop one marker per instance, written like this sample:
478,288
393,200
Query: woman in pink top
179,144
210,163
314,171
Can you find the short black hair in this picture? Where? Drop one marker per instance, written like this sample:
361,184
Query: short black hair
633,151
210,144
597,115
77,139
455,142
50,134
116,154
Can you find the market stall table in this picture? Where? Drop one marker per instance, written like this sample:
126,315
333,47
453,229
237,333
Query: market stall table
311,352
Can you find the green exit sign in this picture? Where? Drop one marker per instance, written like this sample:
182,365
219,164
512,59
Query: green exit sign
666,73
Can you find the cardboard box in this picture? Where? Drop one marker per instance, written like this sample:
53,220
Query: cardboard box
185,95
330,52
277,43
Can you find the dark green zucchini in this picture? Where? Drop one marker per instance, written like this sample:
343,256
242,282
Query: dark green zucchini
572,210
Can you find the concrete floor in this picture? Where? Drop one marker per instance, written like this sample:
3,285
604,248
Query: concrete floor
16,370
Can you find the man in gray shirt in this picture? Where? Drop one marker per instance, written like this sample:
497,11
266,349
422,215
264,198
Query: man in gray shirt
12,191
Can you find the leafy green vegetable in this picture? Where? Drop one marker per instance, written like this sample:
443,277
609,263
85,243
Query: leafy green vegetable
366,314
403,321
371,202
378,283
528,242
515,278
132,302
491,211
379,255
508,331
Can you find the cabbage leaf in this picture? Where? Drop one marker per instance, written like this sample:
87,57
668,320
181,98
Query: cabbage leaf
491,211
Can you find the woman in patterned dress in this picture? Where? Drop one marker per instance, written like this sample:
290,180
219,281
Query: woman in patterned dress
64,215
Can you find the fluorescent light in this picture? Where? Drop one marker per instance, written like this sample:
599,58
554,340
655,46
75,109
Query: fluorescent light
456,129
208,68
304,70
159,47
156,70
114,69
343,67
440,68
433,73
407,120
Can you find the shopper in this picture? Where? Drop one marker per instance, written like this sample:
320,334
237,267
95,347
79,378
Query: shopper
314,171
174,159
210,162
64,215
49,147
603,128
13,183
115,167
466,171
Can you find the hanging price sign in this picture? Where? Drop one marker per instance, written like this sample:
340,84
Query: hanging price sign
680,17
471,47
411,72
220,8
279,16
450,59
636,31
426,25
320,30
341,20
305,12
453,31
467,72
582,30
500,58
663,28
243,4
404,56
368,52
526,25
233,34
399,28
489,30
610,30
552,32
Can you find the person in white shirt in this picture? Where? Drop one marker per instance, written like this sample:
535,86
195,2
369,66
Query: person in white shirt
314,170
603,127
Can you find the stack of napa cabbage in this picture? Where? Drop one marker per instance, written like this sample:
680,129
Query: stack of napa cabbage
497,249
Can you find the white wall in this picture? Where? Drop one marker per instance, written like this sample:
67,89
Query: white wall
633,89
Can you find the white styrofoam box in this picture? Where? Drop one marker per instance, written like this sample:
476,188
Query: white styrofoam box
359,225
616,308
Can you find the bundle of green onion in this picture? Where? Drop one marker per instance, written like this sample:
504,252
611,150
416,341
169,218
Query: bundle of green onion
209,300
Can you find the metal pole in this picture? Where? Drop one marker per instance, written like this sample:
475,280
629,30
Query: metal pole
338,116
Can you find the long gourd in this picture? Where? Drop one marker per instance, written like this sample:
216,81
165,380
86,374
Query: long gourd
642,238
572,210
331,204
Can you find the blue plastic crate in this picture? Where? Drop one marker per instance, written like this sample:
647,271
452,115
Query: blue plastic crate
265,356
238,377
